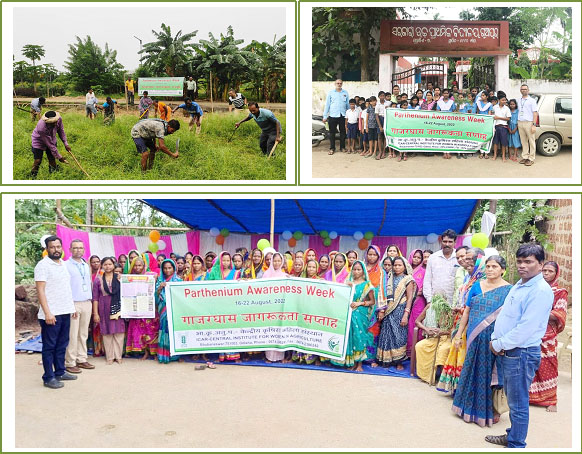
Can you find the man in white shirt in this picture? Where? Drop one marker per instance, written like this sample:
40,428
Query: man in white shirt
236,100
526,125
76,356
191,88
441,268
90,102
53,285
502,115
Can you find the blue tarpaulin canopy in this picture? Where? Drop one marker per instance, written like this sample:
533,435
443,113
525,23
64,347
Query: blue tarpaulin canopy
402,217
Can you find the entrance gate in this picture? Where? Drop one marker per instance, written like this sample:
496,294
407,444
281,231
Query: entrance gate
481,75
412,79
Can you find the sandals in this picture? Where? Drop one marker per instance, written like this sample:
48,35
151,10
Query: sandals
211,365
497,439
331,152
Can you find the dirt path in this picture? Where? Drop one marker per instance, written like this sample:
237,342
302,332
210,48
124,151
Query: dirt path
342,165
146,404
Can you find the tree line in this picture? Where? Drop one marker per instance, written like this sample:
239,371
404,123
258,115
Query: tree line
221,62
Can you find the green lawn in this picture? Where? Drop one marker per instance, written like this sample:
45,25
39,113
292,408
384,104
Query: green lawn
109,153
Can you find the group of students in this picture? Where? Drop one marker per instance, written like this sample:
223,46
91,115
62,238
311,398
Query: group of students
364,120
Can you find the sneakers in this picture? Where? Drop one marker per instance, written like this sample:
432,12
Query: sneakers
497,439
66,376
53,383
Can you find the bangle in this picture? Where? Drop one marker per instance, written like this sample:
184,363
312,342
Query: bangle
407,311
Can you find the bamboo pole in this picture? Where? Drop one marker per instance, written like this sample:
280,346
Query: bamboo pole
272,230
211,99
129,227
126,95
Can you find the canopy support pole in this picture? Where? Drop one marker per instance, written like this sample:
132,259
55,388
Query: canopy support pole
272,231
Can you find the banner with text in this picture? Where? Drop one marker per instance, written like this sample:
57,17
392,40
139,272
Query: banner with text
433,131
137,296
161,86
307,315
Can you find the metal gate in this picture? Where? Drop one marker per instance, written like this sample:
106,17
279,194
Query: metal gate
418,77
481,75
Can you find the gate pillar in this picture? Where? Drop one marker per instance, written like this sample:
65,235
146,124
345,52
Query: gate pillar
502,72
386,71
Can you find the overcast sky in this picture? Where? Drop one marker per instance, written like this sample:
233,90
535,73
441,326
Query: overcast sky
57,27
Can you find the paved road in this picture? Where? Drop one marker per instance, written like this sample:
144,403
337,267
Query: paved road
342,165
146,404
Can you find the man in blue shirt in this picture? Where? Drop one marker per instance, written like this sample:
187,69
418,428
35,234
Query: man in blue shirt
270,126
36,108
337,104
195,111
517,336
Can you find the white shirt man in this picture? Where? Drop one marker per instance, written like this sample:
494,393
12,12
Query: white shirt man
499,111
80,272
526,125
441,268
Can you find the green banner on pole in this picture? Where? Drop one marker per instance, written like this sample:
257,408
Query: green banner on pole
434,131
307,315
161,86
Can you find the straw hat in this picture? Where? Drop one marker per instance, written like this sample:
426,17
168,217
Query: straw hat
47,117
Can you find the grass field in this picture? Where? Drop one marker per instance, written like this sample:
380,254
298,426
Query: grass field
109,153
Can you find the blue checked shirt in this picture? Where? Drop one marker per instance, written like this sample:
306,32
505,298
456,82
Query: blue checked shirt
336,104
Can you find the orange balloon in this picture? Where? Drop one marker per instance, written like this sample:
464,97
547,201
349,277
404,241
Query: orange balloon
292,242
220,240
155,236
363,244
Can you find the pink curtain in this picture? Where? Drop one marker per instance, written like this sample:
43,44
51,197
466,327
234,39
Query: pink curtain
316,242
384,241
193,240
255,239
123,244
67,235
460,239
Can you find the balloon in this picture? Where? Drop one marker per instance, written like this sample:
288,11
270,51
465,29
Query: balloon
42,238
324,234
432,238
292,242
161,245
263,243
480,240
333,234
298,235
225,232
369,235
154,236
44,253
214,231
153,248
467,241
363,243
219,240
489,251
327,242
269,249
287,235
358,235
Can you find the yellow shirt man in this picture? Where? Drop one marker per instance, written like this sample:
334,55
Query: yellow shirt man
129,84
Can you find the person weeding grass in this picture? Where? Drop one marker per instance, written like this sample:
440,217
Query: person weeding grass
36,108
144,105
195,111
145,133
44,140
270,126
108,109
163,109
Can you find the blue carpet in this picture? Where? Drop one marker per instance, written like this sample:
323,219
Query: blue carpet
34,344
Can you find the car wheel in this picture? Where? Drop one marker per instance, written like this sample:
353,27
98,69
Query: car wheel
549,144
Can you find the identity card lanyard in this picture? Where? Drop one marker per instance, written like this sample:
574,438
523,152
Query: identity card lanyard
81,270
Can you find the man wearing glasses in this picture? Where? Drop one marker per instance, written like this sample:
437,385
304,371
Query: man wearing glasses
336,106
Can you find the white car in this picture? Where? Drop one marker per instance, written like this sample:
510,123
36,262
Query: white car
554,127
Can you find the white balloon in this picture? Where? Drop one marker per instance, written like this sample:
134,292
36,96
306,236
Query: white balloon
214,231
358,235
333,234
489,251
269,249
287,235
161,245
432,238
467,241
42,238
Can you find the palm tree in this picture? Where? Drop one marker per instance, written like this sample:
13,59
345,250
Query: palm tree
222,57
34,52
168,54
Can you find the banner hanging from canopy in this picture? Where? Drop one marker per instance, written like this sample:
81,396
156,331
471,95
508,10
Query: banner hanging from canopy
434,131
306,315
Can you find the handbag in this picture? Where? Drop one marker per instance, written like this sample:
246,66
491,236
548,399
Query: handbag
500,404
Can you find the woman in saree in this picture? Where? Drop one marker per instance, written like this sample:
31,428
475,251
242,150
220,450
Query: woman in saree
142,333
130,256
393,251
311,270
473,399
352,256
275,270
151,263
373,268
359,338
237,262
267,261
324,265
95,265
474,264
393,311
121,260
310,254
223,270
198,272
543,390
255,269
168,274
339,270
298,267
415,260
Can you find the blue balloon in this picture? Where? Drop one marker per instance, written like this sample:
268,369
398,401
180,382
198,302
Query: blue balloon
333,234
287,235
432,238
358,235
